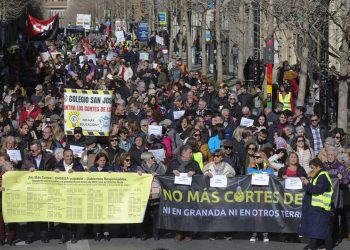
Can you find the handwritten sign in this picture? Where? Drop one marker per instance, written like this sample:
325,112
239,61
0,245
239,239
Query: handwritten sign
260,179
183,179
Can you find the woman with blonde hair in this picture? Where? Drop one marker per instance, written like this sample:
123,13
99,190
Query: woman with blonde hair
58,135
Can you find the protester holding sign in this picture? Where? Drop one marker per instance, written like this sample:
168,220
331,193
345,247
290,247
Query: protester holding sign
183,164
260,166
11,232
101,165
69,164
218,166
150,222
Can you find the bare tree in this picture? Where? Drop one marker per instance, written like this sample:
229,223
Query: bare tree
12,9
219,74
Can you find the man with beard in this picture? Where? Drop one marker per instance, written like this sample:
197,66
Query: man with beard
261,140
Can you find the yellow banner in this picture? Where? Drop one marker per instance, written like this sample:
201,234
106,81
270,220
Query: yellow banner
75,198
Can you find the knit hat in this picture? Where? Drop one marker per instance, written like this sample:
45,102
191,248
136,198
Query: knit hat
280,143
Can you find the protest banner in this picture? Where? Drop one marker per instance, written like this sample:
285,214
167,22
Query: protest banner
120,36
238,207
78,197
89,109
160,40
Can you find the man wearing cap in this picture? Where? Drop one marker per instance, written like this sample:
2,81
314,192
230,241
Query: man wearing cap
54,120
92,148
231,157
78,138
113,150
38,95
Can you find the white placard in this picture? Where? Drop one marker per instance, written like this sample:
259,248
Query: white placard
246,122
15,155
260,179
77,150
111,55
219,181
159,154
155,130
45,56
160,40
293,183
178,114
144,56
183,179
119,34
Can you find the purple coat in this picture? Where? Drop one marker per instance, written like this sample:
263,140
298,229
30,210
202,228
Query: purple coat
336,168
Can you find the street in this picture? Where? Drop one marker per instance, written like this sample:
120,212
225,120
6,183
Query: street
167,244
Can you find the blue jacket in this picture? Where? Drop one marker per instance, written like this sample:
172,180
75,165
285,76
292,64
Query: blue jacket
315,220
132,169
253,169
105,169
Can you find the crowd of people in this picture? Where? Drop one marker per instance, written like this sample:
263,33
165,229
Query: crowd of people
210,137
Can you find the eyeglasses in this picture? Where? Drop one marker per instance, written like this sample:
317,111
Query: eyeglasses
257,156
251,148
114,140
128,160
300,140
196,135
217,155
227,147
144,125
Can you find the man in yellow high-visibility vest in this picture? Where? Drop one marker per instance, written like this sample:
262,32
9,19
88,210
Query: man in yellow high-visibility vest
316,211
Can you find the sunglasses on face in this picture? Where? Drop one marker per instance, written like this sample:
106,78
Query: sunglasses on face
127,160
196,135
257,156
337,137
314,120
227,147
113,140
217,156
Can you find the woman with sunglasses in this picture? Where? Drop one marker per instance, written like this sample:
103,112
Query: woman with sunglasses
203,146
249,158
218,166
125,165
260,166
124,140
151,166
113,150
304,152
101,165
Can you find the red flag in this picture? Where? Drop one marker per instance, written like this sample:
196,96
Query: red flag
42,29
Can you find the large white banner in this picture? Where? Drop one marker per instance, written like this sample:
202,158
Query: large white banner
84,20
89,109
